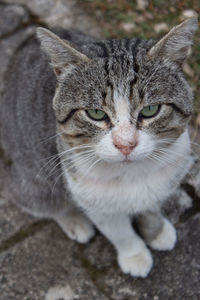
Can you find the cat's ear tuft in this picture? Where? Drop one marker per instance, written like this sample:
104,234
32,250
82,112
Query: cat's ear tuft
176,44
62,54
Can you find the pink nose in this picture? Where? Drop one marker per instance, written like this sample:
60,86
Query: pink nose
124,138
126,149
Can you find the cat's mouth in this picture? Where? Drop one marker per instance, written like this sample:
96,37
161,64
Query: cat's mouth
127,160
133,157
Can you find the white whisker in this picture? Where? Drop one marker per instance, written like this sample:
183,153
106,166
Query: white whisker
168,152
49,138
81,162
168,159
72,157
89,169
55,157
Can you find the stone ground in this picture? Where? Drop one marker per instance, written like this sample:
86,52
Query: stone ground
37,261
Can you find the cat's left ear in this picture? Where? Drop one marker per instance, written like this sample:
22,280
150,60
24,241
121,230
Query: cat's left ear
176,44
62,54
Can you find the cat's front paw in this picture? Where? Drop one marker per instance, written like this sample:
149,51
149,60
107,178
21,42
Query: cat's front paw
138,265
77,227
166,239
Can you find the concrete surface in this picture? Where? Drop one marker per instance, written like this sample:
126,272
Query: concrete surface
37,261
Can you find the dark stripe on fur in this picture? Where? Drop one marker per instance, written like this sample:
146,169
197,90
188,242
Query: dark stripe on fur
75,135
103,48
127,44
68,117
132,82
179,110
134,47
111,45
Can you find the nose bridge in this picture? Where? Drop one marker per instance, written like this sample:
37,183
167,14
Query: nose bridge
124,134
124,138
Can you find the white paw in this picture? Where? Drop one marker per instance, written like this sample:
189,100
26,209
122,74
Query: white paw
166,239
137,265
77,227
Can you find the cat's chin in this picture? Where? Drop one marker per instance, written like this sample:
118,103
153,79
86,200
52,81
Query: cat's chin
127,161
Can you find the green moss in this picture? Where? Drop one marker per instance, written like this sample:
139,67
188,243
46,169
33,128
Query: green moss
22,234
7,161
96,274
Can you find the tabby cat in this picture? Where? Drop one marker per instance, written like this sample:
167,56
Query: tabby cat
114,146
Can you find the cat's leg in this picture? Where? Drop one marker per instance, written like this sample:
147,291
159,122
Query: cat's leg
75,224
134,257
157,231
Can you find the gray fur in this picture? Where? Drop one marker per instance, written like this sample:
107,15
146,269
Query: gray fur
150,225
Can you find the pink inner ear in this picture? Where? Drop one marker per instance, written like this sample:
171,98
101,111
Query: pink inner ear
58,71
125,138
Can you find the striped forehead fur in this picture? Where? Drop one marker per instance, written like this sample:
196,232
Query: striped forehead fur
121,77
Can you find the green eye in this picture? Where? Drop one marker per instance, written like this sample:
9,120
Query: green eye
96,114
149,111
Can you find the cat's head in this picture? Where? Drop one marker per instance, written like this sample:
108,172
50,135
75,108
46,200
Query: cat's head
122,98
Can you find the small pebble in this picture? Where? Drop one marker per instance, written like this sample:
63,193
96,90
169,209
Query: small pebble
61,293
142,4
128,27
161,27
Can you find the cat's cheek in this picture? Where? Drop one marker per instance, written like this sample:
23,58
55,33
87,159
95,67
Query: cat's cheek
107,151
146,145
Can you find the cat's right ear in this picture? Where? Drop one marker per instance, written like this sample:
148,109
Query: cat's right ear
176,44
61,53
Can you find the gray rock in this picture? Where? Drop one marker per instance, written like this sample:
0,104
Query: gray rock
62,13
8,46
12,220
47,259
16,13
12,34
